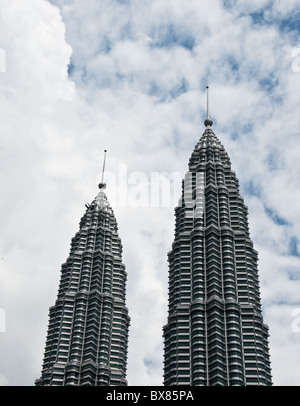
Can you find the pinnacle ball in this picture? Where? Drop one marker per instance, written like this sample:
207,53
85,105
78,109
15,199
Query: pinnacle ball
208,122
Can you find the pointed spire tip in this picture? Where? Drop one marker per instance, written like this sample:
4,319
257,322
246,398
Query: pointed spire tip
102,185
208,122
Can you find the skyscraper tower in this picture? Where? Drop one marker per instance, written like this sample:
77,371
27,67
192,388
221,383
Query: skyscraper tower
215,334
87,336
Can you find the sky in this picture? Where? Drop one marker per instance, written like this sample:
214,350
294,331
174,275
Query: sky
78,77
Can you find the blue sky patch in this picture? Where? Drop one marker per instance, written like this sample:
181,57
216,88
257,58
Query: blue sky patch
229,4
150,363
181,88
268,83
71,68
293,247
280,221
273,161
258,17
291,24
170,35
252,189
233,63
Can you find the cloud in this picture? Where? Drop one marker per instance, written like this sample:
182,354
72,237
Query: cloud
86,76
35,91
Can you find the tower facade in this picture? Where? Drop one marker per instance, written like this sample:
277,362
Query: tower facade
215,334
87,335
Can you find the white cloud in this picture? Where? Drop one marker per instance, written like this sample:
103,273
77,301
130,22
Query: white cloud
136,88
284,9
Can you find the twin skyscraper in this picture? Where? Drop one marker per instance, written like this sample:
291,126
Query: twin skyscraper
215,333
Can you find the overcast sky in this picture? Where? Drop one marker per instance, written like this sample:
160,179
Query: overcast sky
78,77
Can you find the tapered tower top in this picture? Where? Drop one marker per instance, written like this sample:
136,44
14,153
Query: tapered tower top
208,122
100,202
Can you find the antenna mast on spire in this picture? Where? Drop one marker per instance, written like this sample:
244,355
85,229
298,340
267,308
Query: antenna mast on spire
208,122
102,185
207,91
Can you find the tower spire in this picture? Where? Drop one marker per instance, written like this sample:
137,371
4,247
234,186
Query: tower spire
208,122
102,185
